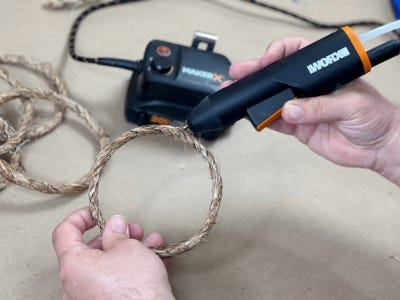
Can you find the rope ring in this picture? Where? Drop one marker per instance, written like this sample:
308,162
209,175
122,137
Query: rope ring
15,156
13,140
183,136
16,177
48,72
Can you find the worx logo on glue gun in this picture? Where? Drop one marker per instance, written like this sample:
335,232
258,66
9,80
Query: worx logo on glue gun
317,69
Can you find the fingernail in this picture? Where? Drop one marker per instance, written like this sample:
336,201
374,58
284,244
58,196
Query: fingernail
118,224
294,112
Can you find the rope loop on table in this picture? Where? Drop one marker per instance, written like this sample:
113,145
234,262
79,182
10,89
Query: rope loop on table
12,175
180,135
12,139
29,129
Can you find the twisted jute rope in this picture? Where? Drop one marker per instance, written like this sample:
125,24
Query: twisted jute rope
180,135
14,138
47,71
9,136
13,171
21,179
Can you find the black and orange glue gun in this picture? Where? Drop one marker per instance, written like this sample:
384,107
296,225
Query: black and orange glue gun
319,68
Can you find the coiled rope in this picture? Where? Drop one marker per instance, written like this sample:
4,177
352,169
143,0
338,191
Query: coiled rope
30,129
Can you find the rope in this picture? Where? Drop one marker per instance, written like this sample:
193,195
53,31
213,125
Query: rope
48,72
180,135
12,175
12,171
13,139
30,129
10,137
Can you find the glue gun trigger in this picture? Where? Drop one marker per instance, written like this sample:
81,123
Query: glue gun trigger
267,111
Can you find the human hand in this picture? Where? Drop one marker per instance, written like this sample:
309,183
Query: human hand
355,126
116,265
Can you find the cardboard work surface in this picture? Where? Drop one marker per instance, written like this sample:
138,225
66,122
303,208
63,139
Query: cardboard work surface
291,226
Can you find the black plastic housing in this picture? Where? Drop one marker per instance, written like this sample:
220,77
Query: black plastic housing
171,80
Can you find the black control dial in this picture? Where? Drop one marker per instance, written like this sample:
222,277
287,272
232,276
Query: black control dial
162,65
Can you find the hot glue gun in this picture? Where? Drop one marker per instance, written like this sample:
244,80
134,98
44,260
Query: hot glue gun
320,68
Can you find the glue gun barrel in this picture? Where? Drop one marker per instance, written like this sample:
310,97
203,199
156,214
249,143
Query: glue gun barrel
220,110
317,69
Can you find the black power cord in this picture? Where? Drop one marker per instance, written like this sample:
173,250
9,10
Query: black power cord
135,65
107,61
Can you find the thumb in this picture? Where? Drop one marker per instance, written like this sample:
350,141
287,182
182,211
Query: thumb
315,110
115,231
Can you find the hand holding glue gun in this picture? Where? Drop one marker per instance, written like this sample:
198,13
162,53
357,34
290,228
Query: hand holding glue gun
355,126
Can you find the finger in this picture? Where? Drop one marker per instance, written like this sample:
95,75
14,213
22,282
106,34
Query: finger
282,126
96,243
154,241
167,261
135,231
69,233
240,70
115,231
314,110
226,83
282,48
